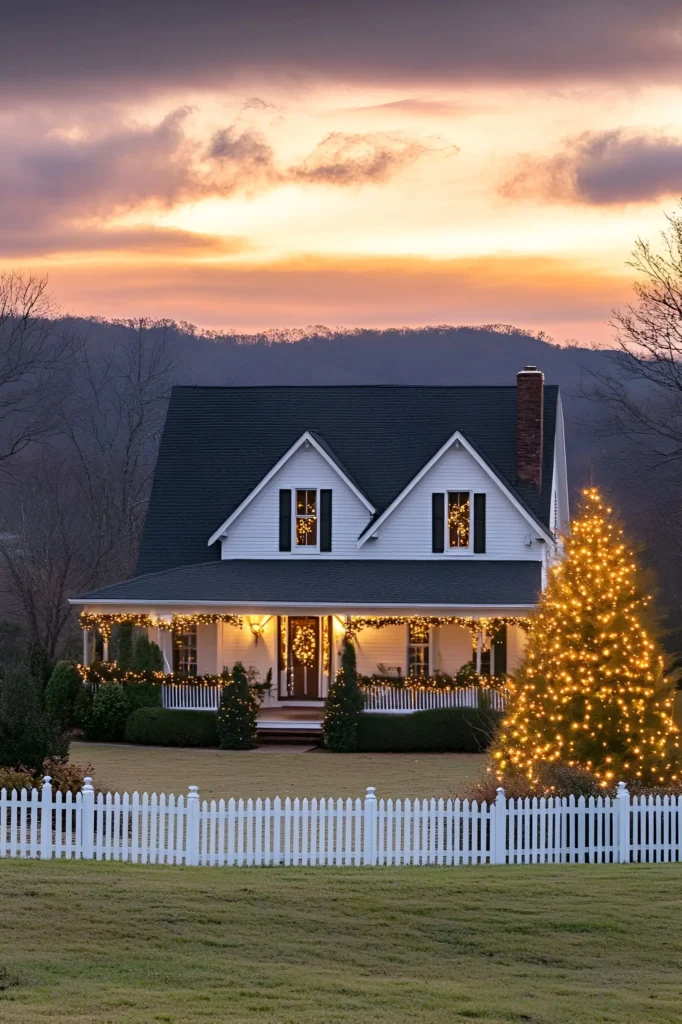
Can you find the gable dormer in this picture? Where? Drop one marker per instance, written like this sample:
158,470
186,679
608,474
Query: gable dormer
306,505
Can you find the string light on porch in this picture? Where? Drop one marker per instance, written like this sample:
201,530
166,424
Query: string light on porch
104,622
304,645
488,627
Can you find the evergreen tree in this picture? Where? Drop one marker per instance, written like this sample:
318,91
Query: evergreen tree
28,734
61,692
343,706
238,712
587,693
124,646
146,655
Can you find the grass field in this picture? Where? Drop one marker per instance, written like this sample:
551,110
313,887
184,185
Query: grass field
276,772
95,943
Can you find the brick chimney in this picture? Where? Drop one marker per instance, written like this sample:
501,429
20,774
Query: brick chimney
530,389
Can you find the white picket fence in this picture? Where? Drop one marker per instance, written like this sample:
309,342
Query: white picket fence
399,700
178,830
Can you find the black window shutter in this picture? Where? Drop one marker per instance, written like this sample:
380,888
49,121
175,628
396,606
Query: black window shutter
285,520
438,522
500,651
325,520
479,524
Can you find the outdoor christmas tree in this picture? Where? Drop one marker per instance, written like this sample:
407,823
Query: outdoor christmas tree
589,693
238,712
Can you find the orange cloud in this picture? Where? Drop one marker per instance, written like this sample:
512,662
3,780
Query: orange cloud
558,296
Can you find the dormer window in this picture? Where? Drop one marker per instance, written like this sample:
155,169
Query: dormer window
306,519
459,519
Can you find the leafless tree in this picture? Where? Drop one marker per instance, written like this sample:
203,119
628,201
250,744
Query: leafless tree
71,516
36,359
642,390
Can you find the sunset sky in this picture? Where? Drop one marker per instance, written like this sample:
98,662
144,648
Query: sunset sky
352,164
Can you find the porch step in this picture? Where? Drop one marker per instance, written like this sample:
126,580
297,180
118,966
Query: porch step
288,729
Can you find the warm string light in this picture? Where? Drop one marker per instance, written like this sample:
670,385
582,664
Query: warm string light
421,624
587,692
304,645
498,684
104,622
110,674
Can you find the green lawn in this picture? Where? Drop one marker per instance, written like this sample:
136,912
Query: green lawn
277,772
95,943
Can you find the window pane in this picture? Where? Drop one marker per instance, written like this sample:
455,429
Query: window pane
459,515
306,518
418,651
185,652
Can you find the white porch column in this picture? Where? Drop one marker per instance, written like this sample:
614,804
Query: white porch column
479,651
166,645
86,647
105,649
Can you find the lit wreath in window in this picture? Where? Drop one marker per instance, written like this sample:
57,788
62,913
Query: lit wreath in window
304,645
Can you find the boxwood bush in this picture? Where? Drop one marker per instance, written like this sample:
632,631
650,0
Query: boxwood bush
165,728
460,730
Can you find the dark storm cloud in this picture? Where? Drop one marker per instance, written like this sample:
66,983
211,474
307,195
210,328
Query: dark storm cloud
603,168
135,47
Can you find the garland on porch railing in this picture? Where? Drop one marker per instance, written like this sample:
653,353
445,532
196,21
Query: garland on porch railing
109,672
421,624
443,683
104,622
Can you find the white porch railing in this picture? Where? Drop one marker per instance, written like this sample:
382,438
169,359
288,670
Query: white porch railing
184,830
190,696
403,700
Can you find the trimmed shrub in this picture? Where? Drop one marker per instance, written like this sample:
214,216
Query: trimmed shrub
238,713
82,708
459,730
107,719
142,695
28,734
164,728
61,692
343,707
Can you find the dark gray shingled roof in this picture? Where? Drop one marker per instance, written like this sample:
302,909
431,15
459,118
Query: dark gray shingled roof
338,582
218,443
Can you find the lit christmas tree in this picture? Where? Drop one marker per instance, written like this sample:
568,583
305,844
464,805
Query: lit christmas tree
589,693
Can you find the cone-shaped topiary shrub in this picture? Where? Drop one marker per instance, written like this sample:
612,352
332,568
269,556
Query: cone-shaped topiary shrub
238,712
343,706
28,733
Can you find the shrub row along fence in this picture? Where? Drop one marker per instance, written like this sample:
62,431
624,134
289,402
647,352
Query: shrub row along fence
387,699
184,830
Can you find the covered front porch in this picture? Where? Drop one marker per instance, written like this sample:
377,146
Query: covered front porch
407,662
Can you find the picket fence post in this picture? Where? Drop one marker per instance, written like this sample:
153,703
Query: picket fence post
622,823
498,831
87,820
192,839
369,851
46,819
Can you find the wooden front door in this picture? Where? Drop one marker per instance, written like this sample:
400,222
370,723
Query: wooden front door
304,658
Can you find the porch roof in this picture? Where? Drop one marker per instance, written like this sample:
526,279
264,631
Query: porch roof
332,582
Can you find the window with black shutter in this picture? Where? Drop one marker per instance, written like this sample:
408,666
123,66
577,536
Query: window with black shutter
438,522
479,524
325,520
285,520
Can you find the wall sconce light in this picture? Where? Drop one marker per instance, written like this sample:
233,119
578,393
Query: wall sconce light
257,626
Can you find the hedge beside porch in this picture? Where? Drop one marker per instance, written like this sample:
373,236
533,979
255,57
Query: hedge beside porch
455,730
160,727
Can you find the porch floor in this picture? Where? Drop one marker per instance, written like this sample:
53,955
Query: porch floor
290,722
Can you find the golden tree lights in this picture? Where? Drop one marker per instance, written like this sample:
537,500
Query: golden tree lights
586,693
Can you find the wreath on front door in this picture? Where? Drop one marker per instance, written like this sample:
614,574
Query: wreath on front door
304,645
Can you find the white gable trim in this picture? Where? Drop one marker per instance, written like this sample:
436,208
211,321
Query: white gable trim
306,438
457,436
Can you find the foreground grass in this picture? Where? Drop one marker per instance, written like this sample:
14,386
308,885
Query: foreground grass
277,772
103,943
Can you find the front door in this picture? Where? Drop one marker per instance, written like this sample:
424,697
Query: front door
303,668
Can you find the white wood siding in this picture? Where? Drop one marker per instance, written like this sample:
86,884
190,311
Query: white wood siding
516,647
451,647
240,645
207,649
374,647
255,533
406,533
